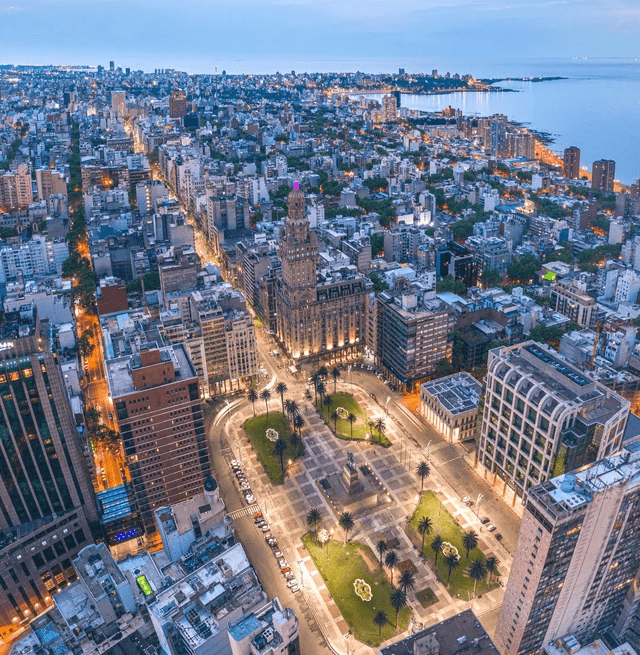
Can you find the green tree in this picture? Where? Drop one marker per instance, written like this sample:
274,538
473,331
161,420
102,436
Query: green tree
381,426
449,283
407,581
470,541
346,522
436,547
425,527
391,560
281,388
279,448
477,571
423,470
380,620
252,395
452,561
265,395
314,519
352,418
398,601
522,270
377,243
381,548
335,374
298,424
379,283
327,403
491,565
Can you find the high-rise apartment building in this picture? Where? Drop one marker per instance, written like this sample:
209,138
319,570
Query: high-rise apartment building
47,506
177,104
571,163
157,403
572,300
577,557
389,109
119,103
316,314
50,183
543,417
603,173
16,189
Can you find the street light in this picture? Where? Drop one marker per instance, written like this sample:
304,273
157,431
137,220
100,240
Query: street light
301,570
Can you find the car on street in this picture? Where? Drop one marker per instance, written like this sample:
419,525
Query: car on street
295,588
484,520
265,527
277,554
292,583
257,517
491,527
285,570
282,563
234,462
272,542
250,499
466,500
498,536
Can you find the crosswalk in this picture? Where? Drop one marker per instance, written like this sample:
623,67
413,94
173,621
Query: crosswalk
250,510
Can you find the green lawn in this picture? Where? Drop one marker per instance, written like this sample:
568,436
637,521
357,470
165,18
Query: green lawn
360,427
256,428
447,527
344,565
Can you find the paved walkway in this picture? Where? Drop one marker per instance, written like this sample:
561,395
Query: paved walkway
286,507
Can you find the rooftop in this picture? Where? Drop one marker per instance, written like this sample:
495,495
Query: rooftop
457,393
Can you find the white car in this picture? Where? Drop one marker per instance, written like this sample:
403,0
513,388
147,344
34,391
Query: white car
294,588
292,583
491,527
278,554
466,500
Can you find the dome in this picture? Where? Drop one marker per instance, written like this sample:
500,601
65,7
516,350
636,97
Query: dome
210,484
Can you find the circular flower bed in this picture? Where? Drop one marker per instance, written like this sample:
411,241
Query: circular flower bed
342,413
448,549
272,435
363,590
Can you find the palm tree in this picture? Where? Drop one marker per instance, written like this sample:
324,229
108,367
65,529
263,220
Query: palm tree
381,547
398,601
381,426
406,581
380,619
345,521
265,395
391,560
335,374
334,418
281,388
315,380
371,425
423,470
298,423
252,395
314,519
352,418
452,561
291,408
322,372
436,547
278,448
320,388
477,571
425,527
491,564
470,541
327,400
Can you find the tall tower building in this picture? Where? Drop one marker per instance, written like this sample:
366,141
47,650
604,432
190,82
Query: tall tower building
47,506
541,418
157,402
316,315
571,168
177,104
119,103
577,557
603,173
389,108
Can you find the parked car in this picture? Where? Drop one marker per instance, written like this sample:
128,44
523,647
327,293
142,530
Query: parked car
258,516
498,536
282,563
484,520
491,527
272,542
268,536
285,570
265,527
292,583
466,500
277,554
295,588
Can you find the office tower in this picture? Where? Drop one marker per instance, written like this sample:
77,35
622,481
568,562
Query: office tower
577,557
177,104
413,334
119,103
459,261
542,417
46,497
15,189
112,66
316,314
389,109
571,168
157,405
498,139
602,175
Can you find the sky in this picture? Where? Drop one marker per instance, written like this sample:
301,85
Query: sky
369,35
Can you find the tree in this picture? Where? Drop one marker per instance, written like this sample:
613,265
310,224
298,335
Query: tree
334,418
323,372
298,424
335,374
381,548
477,571
379,283
407,581
352,418
380,620
423,470
452,561
327,403
281,388
491,564
315,380
381,426
391,560
523,269
265,395
449,283
252,395
436,547
398,601
490,278
444,367
320,388
425,527
345,521
278,448
314,519
470,541
377,243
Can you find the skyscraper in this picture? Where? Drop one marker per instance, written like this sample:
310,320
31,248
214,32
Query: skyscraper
602,175
542,418
577,557
157,403
47,506
119,103
177,104
571,167
389,108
